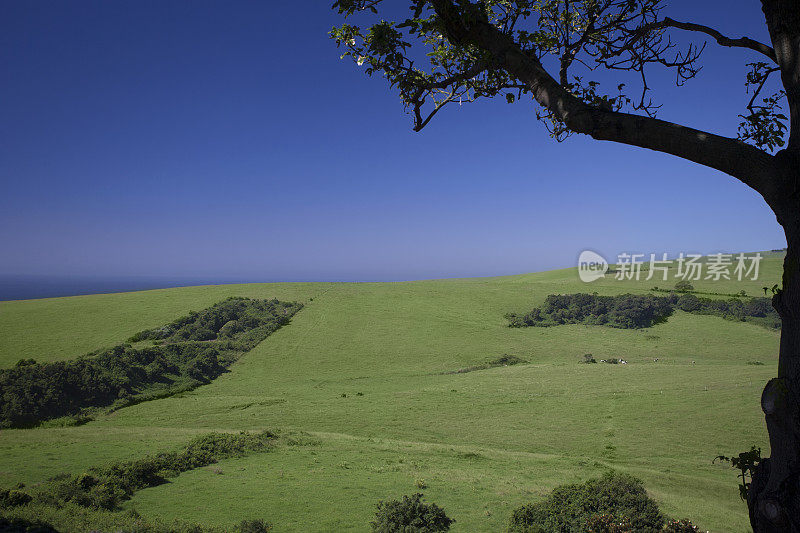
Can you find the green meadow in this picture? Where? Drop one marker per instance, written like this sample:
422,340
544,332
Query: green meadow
364,373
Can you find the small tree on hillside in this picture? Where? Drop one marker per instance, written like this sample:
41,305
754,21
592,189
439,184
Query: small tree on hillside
411,515
450,51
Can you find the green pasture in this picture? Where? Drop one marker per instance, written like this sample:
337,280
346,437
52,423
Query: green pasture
362,370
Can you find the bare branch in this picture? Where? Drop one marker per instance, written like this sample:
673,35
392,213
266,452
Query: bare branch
419,122
759,81
722,40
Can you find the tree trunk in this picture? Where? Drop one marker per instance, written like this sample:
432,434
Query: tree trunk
774,496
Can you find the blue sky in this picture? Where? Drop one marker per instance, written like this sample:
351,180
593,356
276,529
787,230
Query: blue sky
226,140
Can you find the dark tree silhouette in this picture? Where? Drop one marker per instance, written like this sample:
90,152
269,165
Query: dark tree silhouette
460,50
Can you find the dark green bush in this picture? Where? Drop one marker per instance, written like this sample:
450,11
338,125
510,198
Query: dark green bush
18,525
253,526
13,498
684,286
410,515
756,310
625,311
606,523
569,508
503,360
189,354
506,360
230,329
689,303
106,488
681,526
641,311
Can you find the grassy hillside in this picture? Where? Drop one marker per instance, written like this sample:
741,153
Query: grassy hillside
483,442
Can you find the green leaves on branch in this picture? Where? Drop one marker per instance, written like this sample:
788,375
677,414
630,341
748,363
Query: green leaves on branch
457,52
446,72
431,63
746,463
348,7
764,126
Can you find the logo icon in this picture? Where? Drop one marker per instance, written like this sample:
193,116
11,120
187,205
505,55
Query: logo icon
591,266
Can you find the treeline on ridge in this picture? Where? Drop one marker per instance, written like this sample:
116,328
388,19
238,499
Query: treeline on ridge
180,356
631,311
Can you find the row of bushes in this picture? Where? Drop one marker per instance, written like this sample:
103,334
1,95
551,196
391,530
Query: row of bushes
614,503
228,319
756,310
18,525
93,498
625,311
176,361
503,360
631,311
106,488
135,524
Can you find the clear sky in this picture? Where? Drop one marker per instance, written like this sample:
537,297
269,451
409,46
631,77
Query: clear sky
227,140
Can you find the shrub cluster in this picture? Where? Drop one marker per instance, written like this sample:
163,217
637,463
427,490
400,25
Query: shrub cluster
606,523
106,488
126,522
191,351
253,526
90,501
234,318
625,311
19,525
756,310
410,515
576,508
13,497
684,286
681,526
503,360
631,311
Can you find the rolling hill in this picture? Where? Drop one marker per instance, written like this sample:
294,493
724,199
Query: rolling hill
365,374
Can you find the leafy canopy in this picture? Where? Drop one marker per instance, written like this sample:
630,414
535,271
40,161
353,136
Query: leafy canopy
431,65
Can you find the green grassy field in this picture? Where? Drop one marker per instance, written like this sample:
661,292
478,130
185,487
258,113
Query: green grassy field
484,442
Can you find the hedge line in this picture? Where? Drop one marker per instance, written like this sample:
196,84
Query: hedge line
630,311
180,356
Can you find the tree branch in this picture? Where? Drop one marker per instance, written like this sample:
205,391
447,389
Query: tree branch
752,166
741,42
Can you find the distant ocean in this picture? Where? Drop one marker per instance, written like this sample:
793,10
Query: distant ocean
17,287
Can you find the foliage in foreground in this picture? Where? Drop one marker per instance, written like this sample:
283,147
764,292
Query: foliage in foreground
184,354
410,515
574,508
606,523
681,526
68,519
85,499
746,463
18,525
629,311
